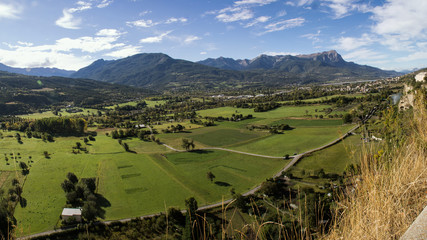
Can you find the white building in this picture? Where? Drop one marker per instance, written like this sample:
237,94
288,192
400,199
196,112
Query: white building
72,213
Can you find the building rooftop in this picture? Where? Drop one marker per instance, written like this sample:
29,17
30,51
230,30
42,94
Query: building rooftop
71,212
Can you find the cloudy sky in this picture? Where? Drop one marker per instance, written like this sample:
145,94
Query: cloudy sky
71,34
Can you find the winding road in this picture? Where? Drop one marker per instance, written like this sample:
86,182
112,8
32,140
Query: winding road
295,159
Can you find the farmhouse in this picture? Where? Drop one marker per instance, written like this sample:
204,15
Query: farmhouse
72,213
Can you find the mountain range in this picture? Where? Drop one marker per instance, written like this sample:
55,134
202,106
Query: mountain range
43,72
159,71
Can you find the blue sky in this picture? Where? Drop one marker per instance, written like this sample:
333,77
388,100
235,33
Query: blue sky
71,34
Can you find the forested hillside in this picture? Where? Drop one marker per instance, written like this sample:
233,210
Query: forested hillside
22,94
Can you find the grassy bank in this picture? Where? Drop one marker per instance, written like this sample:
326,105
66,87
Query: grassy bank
390,190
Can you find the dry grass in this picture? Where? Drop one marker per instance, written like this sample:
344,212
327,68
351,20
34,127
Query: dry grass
391,189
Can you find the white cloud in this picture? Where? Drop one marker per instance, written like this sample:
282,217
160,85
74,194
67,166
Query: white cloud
81,7
173,20
62,54
235,14
144,13
9,11
203,53
258,2
86,44
142,23
191,39
342,8
27,44
24,59
364,55
261,19
104,3
109,33
313,36
282,13
403,19
155,39
125,51
351,43
299,3
280,53
68,20
285,24
421,55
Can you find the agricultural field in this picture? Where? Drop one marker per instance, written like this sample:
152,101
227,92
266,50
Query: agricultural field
133,184
62,112
84,111
281,112
320,99
150,103
151,177
332,160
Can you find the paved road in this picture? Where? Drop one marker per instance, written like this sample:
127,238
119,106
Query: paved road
295,159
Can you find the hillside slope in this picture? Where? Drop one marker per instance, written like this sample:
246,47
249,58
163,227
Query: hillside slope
21,94
390,186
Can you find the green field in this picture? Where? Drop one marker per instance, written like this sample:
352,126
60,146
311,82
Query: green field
332,160
281,112
297,140
62,112
152,176
320,99
134,184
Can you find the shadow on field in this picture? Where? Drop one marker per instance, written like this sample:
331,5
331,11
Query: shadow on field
222,184
201,151
102,201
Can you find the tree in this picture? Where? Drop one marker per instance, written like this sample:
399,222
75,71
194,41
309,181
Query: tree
90,211
72,177
347,118
24,168
126,147
67,186
210,176
187,144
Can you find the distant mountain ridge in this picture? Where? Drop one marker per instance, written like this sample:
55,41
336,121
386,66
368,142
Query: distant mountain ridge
43,72
159,71
279,62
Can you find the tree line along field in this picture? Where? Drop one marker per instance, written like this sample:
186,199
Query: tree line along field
153,176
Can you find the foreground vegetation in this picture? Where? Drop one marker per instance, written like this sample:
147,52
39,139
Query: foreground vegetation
391,182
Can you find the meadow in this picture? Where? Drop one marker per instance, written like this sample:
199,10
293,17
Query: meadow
152,177
134,184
